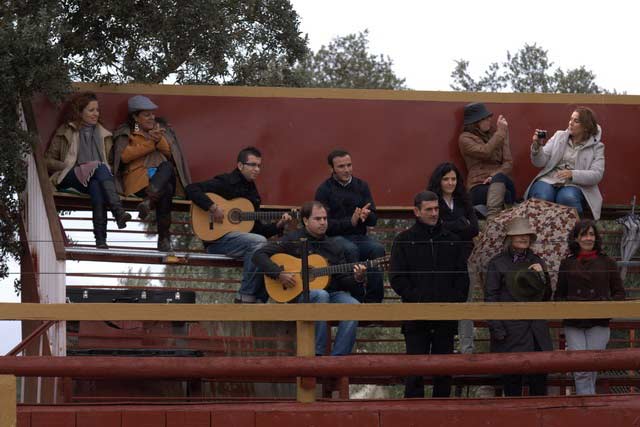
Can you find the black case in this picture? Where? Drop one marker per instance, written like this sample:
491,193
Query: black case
89,295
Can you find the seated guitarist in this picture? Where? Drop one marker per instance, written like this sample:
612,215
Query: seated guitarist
239,183
341,285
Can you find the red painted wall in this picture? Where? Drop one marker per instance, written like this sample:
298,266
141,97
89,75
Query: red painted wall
395,143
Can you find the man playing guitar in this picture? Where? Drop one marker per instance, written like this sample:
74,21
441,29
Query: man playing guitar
239,183
341,285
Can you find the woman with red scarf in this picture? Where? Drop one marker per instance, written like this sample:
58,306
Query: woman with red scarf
587,275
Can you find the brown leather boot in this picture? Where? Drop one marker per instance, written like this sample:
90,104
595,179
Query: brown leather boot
495,199
149,203
117,210
100,226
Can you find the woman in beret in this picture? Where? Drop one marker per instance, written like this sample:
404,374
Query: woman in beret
148,159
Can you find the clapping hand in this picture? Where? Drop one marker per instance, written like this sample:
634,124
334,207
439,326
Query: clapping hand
360,214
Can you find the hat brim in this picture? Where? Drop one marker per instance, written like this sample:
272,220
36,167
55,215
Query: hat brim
533,236
475,119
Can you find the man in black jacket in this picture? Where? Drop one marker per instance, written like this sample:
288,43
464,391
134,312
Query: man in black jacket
351,211
427,266
239,183
341,285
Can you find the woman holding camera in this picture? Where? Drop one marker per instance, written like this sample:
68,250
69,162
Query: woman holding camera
487,154
147,156
77,158
587,275
572,163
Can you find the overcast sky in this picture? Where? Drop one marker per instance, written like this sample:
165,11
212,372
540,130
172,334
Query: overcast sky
424,38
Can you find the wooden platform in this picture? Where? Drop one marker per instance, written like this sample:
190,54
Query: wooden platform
604,410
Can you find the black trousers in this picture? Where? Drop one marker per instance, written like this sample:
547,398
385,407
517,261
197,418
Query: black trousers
512,384
433,339
164,180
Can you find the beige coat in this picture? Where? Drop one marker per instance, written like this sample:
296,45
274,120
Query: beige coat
485,159
62,154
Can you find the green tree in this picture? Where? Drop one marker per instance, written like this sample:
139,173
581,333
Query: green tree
133,281
29,64
200,41
528,70
347,63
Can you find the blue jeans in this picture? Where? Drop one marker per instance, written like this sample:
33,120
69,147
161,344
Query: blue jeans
594,338
242,246
568,196
358,247
346,336
94,188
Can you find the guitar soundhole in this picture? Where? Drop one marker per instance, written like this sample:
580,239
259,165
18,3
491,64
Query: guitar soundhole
235,216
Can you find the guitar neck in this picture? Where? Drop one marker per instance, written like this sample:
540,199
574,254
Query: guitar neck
263,216
343,268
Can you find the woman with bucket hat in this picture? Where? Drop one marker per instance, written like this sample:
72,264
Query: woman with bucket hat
518,275
588,274
487,154
148,158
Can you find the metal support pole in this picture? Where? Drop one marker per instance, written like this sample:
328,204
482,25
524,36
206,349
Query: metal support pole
305,270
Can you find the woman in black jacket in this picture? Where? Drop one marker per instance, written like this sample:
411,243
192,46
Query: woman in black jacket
456,212
587,275
457,215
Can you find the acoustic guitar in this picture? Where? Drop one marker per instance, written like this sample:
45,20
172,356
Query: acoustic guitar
319,272
239,215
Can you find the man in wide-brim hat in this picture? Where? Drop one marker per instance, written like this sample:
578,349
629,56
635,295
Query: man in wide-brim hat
518,275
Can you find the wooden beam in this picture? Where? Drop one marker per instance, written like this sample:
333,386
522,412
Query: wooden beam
115,367
7,400
45,185
305,346
313,312
372,94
